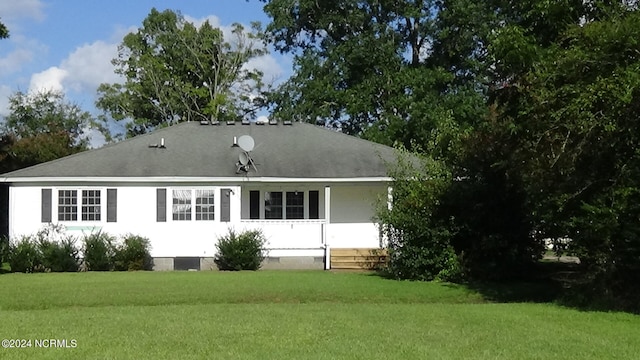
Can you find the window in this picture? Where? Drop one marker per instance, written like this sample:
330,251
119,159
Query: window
314,209
254,204
295,205
273,205
280,205
90,205
188,204
181,205
67,205
204,205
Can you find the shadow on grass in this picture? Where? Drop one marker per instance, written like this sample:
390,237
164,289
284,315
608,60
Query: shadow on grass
548,282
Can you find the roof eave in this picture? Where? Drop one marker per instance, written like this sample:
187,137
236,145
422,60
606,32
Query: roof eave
177,179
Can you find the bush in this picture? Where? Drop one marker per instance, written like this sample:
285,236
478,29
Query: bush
133,254
57,250
59,256
24,256
418,239
240,251
4,250
99,251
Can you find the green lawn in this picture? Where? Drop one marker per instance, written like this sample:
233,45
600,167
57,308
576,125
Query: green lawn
292,315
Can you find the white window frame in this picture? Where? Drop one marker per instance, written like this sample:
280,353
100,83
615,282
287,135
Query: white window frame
79,192
61,208
281,206
192,204
181,204
96,209
207,210
287,206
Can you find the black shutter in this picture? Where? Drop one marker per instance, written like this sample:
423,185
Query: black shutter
46,205
161,205
225,204
254,204
314,209
4,210
112,205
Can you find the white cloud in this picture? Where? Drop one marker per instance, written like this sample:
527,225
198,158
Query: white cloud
270,68
13,10
90,65
20,52
50,79
14,60
83,70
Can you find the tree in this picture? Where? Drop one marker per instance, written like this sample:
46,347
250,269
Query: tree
572,120
363,67
515,98
4,32
41,127
175,71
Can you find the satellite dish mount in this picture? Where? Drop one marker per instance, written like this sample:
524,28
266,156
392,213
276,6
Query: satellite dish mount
245,162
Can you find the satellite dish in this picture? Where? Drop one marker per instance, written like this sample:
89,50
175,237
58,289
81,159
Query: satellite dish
246,143
243,158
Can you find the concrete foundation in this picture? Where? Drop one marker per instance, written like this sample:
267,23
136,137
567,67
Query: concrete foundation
207,264
162,264
269,263
293,263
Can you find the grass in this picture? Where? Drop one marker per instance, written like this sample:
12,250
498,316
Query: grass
276,315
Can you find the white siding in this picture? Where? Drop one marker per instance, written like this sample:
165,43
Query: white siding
350,222
352,212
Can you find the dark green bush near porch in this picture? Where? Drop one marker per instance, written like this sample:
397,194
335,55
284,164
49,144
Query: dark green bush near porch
133,254
99,251
240,251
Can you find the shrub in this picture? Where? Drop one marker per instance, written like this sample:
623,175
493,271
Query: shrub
59,256
4,250
57,250
98,249
24,256
133,254
418,239
241,251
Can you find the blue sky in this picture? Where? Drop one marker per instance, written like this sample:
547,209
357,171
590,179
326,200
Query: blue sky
67,45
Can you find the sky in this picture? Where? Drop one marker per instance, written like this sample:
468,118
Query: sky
68,45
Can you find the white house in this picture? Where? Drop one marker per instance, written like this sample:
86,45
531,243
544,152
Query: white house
306,187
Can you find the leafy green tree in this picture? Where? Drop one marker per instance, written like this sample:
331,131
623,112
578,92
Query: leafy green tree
175,71
4,32
41,127
362,67
46,112
571,119
529,112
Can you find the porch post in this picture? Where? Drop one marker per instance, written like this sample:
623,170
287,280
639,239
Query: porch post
383,238
325,225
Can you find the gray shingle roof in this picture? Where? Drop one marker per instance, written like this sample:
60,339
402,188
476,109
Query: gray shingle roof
193,150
